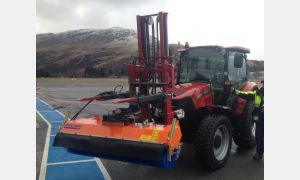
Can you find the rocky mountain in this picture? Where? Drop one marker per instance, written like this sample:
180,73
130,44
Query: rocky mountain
70,53
79,53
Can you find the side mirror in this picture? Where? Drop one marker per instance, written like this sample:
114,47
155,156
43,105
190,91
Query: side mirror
238,60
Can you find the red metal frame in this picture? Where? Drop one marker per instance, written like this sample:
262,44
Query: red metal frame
199,92
139,72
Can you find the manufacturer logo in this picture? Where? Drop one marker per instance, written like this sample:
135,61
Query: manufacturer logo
150,138
72,126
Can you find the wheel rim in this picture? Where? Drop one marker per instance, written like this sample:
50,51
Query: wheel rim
221,142
253,128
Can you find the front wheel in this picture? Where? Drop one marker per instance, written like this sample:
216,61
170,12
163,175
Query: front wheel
213,141
244,133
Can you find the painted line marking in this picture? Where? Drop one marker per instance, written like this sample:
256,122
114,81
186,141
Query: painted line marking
103,170
46,149
57,121
47,111
43,167
69,162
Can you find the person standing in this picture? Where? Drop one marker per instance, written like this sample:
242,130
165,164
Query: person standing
257,95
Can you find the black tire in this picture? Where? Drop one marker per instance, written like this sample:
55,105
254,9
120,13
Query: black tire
243,134
205,141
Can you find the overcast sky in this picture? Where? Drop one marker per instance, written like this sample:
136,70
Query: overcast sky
200,22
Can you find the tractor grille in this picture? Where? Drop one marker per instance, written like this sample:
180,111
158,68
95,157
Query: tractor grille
218,98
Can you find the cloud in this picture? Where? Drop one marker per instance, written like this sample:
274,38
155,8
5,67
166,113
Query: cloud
201,22
61,15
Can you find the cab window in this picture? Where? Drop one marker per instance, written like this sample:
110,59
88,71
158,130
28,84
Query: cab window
236,75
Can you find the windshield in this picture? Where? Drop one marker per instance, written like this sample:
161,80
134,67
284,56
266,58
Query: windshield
201,64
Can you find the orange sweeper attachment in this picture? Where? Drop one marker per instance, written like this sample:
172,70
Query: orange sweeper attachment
148,130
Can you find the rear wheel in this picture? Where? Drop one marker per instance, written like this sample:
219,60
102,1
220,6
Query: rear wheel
244,133
213,141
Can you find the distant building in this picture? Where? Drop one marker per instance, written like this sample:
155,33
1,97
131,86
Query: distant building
256,76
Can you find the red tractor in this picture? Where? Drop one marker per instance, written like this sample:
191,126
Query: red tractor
166,110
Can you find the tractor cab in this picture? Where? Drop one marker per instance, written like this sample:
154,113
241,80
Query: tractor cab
222,67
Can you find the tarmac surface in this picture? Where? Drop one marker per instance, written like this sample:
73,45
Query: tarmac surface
41,132
62,95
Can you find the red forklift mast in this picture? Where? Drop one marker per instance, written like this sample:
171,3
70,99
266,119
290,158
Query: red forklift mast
153,70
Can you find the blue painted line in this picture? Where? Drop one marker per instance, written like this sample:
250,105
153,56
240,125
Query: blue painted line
65,170
52,116
55,127
74,171
59,154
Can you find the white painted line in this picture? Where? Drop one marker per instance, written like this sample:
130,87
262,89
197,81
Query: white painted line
43,167
45,103
53,108
98,161
56,121
46,111
60,113
103,170
70,162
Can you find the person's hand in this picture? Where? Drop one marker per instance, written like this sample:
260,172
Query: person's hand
232,91
235,92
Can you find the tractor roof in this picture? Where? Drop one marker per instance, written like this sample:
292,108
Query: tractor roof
233,48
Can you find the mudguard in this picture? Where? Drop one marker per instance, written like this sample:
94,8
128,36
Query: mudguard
240,102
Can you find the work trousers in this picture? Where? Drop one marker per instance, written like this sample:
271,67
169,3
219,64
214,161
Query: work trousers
259,134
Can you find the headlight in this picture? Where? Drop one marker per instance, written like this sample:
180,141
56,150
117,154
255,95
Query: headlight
179,113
